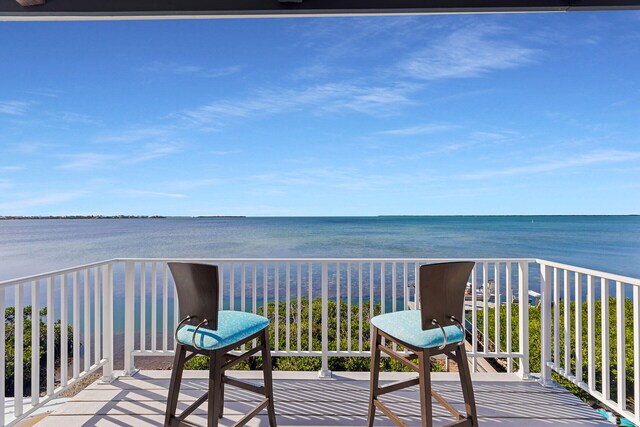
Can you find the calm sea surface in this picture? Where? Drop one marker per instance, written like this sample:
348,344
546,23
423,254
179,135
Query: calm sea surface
27,247
609,243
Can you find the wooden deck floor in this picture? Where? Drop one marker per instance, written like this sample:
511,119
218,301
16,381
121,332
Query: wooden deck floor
302,399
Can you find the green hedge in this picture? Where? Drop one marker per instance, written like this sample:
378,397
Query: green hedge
534,342
9,324
295,363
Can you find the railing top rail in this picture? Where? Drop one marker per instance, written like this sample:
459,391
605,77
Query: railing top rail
285,259
608,276
582,270
13,282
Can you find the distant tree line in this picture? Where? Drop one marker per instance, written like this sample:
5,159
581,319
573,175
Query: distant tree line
7,217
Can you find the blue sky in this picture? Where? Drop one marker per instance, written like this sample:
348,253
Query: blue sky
467,114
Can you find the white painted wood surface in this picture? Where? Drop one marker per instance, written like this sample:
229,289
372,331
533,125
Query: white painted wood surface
302,399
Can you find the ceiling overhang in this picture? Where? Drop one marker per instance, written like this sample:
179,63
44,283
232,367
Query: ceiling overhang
167,9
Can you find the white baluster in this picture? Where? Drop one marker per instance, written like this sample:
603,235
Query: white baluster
165,309
545,324
86,321
621,346
35,343
604,330
324,370
18,377
50,337
523,314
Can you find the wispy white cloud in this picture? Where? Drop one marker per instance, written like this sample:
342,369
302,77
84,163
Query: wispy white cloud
45,93
15,108
314,71
567,162
420,130
417,154
37,201
88,161
337,38
343,178
135,135
6,184
446,191
190,184
70,117
31,148
494,135
166,68
579,121
468,52
440,145
152,150
144,193
11,168
95,160
225,152
324,98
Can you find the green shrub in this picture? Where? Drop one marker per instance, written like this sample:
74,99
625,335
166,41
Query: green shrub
535,344
313,363
9,342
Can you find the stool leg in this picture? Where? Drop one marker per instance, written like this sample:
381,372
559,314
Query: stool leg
425,389
467,386
215,378
268,380
375,374
221,400
174,384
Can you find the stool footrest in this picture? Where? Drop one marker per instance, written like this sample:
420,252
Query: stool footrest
253,413
397,386
193,407
244,385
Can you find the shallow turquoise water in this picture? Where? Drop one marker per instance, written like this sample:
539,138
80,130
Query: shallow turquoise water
609,243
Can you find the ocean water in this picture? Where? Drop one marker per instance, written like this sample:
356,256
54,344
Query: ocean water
608,243
27,247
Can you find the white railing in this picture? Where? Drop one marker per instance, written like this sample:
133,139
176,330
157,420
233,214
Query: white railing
360,285
345,294
80,297
563,289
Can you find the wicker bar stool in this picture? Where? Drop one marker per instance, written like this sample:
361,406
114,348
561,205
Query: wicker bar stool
205,330
434,329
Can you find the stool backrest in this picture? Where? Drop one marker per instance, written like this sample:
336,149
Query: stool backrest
198,291
442,288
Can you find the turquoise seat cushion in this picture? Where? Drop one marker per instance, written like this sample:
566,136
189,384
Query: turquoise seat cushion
233,326
406,326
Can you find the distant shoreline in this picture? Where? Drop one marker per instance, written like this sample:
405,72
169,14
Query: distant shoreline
81,217
19,217
37,217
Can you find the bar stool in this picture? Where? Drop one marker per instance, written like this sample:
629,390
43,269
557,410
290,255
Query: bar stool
434,329
207,331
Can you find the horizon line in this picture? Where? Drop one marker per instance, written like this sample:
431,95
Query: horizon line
156,216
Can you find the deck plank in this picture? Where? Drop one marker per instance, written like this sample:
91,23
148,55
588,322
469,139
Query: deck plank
302,399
